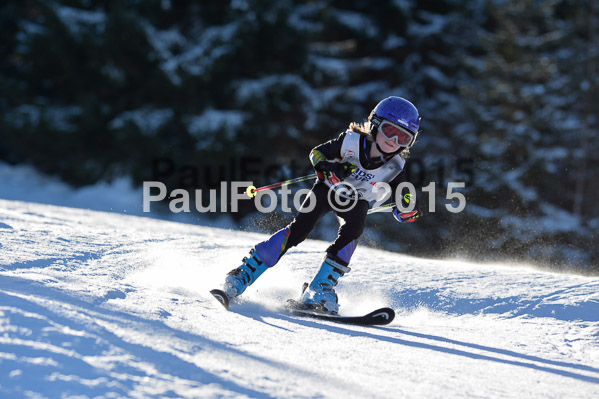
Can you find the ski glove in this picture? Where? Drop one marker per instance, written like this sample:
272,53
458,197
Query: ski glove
408,217
334,172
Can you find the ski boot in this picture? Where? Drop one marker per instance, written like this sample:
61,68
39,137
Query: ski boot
320,294
239,279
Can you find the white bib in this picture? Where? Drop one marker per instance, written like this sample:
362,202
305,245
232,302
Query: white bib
366,183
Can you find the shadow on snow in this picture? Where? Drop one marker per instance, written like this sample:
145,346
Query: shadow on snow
59,344
259,313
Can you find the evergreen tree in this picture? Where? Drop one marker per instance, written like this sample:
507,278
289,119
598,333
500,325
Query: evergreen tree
526,115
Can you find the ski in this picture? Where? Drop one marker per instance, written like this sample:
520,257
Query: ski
378,317
221,297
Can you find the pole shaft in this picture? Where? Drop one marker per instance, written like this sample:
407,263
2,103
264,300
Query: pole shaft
284,183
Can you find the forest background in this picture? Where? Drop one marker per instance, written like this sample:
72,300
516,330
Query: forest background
195,93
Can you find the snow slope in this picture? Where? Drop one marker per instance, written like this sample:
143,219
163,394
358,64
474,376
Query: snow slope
97,304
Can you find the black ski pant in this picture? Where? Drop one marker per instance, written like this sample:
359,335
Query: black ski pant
351,221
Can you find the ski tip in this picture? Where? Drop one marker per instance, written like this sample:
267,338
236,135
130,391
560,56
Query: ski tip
382,316
221,297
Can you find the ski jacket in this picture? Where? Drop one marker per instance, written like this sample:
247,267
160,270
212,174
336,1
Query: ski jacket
374,178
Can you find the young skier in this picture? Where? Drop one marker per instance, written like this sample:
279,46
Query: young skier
366,154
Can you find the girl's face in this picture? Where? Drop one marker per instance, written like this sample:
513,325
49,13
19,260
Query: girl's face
386,145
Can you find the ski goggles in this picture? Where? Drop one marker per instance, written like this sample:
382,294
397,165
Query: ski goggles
393,132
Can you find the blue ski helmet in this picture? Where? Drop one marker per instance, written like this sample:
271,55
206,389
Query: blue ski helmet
396,110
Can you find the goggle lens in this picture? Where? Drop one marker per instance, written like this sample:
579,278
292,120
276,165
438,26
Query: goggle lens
393,132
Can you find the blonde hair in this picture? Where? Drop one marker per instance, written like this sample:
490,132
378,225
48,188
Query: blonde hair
364,130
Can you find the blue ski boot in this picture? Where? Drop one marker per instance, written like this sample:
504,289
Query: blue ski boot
320,293
239,279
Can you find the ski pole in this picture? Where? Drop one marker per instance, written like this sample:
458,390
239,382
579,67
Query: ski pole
252,190
383,208
389,207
